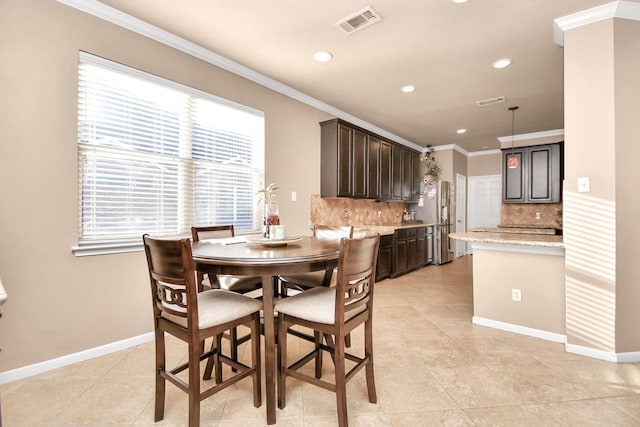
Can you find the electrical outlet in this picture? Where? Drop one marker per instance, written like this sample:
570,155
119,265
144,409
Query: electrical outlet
516,295
584,184
294,196
537,215
379,214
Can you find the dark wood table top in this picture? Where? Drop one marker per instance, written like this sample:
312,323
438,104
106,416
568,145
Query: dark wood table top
305,250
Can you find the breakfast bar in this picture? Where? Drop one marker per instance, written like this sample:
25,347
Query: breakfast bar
518,281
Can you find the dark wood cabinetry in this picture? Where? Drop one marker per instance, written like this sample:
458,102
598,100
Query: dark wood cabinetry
359,164
385,170
384,266
538,177
413,248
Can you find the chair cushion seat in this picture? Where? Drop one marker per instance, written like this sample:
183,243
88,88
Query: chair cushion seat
242,284
218,306
316,305
310,280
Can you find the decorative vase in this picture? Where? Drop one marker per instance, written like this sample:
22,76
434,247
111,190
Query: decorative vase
429,178
271,217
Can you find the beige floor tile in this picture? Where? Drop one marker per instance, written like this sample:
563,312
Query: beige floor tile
594,412
605,379
476,385
628,404
508,416
430,419
36,401
409,390
109,401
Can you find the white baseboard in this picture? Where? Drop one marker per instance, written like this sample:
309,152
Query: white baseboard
522,330
69,359
550,336
603,355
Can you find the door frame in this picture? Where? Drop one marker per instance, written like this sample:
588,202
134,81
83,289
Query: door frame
461,248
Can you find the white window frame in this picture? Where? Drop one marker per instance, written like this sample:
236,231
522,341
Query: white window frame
187,159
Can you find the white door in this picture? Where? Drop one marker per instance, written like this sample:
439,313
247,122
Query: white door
461,210
485,200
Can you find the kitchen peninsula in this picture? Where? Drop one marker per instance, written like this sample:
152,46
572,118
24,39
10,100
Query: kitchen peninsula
518,280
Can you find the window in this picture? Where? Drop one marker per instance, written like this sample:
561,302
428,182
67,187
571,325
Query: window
157,157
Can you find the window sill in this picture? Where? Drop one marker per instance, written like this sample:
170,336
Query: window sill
106,248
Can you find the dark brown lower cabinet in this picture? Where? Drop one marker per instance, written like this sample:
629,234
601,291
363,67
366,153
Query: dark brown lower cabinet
383,267
413,248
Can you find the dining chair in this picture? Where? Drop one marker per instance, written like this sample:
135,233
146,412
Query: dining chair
314,279
334,312
239,284
192,316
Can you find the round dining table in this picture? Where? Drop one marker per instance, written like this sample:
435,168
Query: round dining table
254,256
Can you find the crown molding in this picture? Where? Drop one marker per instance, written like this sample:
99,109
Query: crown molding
123,20
484,153
448,147
617,9
533,135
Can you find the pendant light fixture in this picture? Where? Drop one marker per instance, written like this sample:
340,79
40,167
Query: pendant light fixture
512,160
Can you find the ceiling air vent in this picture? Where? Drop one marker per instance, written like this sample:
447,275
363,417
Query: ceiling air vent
359,20
491,101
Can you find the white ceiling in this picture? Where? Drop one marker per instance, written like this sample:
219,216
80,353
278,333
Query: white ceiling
443,48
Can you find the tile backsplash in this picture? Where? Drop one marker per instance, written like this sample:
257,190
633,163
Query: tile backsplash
539,215
357,212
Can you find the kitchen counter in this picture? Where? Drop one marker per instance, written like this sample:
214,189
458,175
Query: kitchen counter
385,230
518,282
510,238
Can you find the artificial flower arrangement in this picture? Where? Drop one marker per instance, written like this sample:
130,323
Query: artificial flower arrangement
432,170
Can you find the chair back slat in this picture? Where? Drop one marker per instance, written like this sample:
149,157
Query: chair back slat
172,276
328,232
212,232
356,274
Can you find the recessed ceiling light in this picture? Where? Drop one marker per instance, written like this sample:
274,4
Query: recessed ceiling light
502,63
460,1
461,131
323,56
408,88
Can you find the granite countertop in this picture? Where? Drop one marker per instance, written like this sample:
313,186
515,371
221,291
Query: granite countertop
387,229
523,239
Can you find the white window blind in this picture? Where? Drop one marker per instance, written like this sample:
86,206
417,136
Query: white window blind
158,157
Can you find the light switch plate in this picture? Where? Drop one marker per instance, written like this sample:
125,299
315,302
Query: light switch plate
584,184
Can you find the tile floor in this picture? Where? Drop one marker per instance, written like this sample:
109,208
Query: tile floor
433,367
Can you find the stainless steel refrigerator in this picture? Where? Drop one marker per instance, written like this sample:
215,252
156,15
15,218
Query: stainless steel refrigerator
433,208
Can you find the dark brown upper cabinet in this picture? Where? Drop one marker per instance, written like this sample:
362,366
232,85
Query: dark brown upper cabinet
359,164
538,177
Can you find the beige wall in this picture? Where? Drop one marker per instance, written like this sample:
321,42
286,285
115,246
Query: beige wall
488,164
540,279
58,303
627,152
601,128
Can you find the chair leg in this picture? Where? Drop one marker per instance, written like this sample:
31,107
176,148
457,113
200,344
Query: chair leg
282,361
210,362
233,343
318,340
341,383
216,358
160,381
194,384
255,361
368,351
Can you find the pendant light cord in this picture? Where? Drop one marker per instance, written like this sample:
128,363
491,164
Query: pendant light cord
513,123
